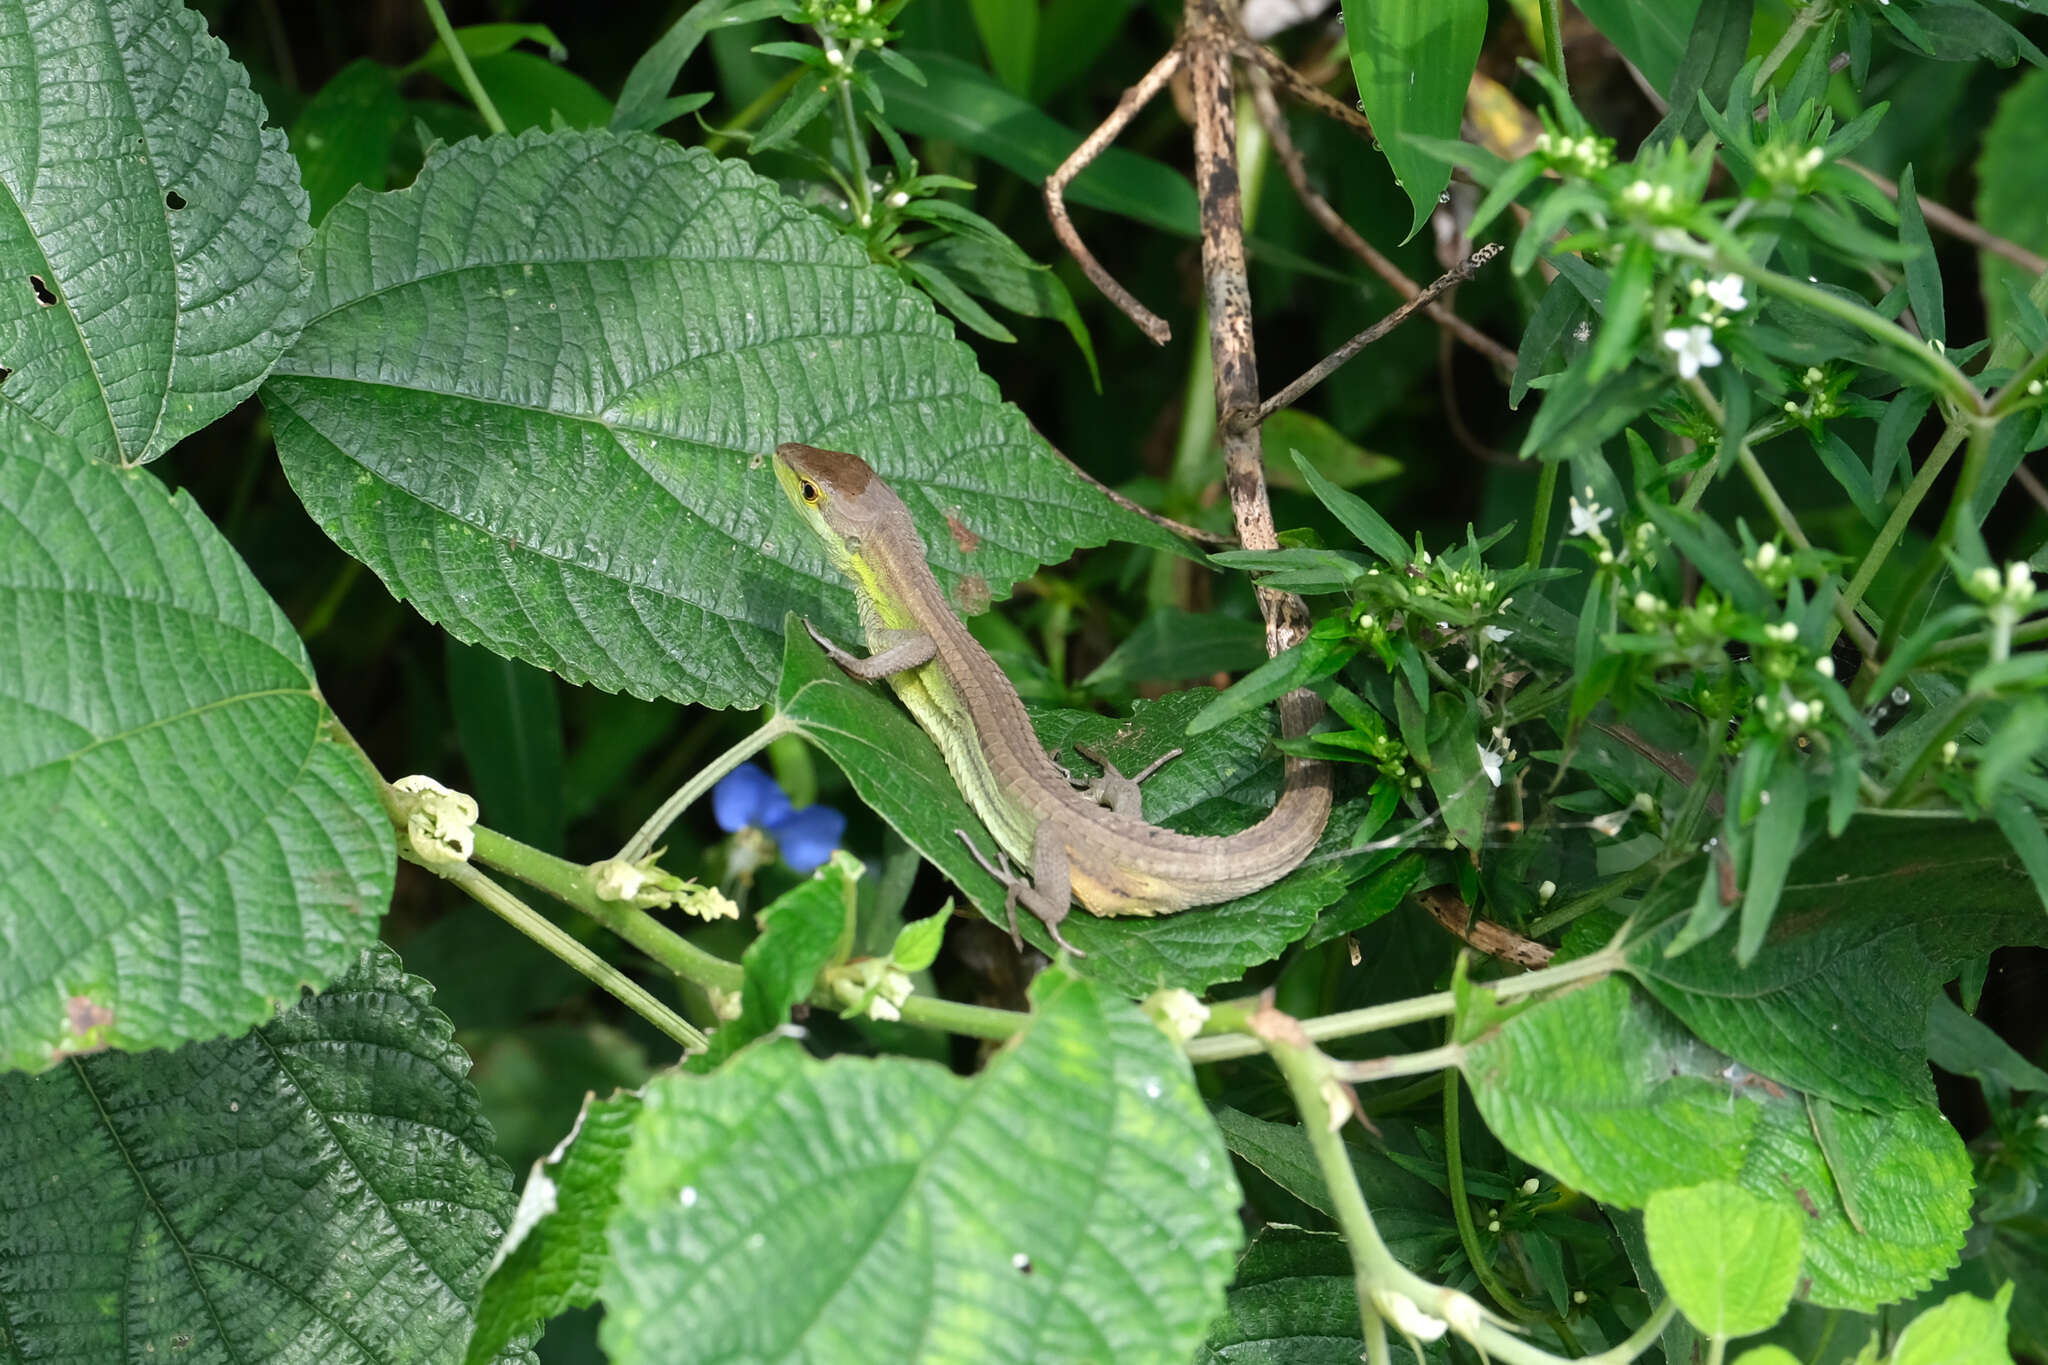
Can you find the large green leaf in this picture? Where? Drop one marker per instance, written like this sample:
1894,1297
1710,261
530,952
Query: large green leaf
1070,1202
152,222
1598,1087
1294,1302
1651,36
1869,926
1729,1257
554,1254
2012,197
1413,62
322,1189
1221,783
538,388
182,842
345,135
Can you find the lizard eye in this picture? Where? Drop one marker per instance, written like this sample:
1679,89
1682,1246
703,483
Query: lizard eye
809,491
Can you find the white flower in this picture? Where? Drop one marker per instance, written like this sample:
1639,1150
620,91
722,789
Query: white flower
1495,634
1694,347
1824,666
1531,1185
899,199
441,824
1783,632
835,56
1489,763
1400,1310
1726,292
1545,890
1586,517
1179,1013
1463,1313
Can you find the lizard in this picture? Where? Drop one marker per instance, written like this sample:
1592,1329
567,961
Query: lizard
1089,844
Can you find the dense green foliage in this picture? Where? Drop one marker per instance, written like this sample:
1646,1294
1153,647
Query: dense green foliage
1662,982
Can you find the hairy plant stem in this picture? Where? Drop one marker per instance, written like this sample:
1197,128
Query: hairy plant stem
643,840
1781,512
856,149
1802,23
1936,371
1380,1278
1895,525
1929,568
1553,42
477,95
756,110
556,940
1461,1205
1220,1041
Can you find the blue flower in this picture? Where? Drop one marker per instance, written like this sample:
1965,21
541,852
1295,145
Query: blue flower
747,798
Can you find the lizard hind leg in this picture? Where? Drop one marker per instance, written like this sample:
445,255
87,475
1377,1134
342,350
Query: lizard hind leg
1048,893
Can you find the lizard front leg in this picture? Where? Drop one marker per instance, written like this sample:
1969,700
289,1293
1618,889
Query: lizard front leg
1048,893
906,649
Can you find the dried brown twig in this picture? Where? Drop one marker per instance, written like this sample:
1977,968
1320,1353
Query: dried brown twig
1320,209
1447,908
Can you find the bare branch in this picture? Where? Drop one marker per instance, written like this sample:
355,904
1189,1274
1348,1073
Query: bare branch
1320,209
1463,271
1447,908
1134,99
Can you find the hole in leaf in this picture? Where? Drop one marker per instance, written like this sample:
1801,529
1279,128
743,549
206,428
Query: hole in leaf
174,200
4,373
43,294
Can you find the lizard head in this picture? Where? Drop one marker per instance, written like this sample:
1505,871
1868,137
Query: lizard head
842,500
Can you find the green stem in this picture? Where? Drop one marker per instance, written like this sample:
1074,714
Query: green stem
1966,707
1546,478
1895,525
1461,1205
1929,568
556,940
2015,391
756,110
2030,633
643,841
1304,1069
1553,41
1376,1274
1938,369
463,69
571,884
1795,33
1424,1063
1781,512
1717,1349
1592,900
1220,1041
856,150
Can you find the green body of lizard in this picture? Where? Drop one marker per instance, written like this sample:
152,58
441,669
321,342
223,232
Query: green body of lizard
1088,845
